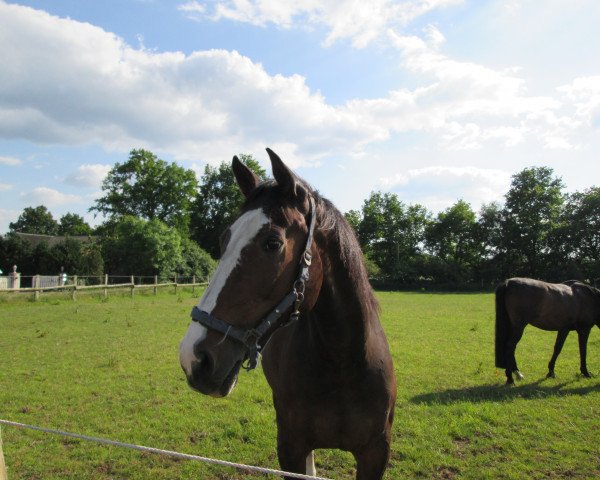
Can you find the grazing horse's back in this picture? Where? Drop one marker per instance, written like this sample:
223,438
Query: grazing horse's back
560,307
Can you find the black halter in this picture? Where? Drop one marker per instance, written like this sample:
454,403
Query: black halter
254,339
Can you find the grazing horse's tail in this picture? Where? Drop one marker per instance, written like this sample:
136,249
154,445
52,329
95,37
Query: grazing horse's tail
502,326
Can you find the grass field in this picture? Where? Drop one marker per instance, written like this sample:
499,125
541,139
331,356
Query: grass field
109,368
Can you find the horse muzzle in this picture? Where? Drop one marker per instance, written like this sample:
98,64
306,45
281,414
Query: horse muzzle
214,370
211,385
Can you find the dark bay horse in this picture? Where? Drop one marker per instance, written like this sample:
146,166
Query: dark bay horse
291,285
558,307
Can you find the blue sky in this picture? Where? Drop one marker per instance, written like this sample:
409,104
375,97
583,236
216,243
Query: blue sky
434,100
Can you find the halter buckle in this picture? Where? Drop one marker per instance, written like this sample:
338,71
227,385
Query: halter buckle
307,258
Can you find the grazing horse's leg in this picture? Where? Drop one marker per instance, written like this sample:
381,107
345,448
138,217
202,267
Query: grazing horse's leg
583,334
560,341
372,461
511,345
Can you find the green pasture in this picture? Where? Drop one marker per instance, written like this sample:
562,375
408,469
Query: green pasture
109,368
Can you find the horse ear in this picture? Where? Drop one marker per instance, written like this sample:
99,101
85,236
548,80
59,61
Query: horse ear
285,177
245,178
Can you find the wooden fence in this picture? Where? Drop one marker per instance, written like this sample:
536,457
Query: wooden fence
73,285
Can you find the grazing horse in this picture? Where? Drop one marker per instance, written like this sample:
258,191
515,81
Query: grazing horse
561,307
291,286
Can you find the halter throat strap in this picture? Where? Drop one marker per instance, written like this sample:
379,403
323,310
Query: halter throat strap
254,339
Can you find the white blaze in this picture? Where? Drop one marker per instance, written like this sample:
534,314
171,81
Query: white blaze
243,230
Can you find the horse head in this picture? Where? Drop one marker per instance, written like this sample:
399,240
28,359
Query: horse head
268,268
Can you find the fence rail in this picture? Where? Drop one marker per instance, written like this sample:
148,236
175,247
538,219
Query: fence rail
169,453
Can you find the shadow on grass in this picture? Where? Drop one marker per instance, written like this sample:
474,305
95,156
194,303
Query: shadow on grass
502,393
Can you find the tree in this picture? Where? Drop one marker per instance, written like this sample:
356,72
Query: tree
490,244
195,261
532,211
218,202
579,233
133,246
36,220
391,234
15,251
488,231
451,239
353,217
72,224
150,188
76,258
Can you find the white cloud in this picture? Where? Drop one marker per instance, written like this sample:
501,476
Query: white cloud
467,105
7,216
438,187
201,106
435,37
88,175
485,175
192,7
193,106
5,187
584,92
11,161
362,22
50,197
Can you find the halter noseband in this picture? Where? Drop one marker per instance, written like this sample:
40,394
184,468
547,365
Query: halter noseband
251,338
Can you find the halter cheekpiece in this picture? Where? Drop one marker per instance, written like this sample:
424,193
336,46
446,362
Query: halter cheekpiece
254,339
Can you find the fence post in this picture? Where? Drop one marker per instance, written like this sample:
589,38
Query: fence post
15,278
193,284
155,283
3,475
106,283
132,285
175,284
74,294
36,284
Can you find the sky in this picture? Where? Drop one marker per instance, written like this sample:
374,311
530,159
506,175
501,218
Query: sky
432,100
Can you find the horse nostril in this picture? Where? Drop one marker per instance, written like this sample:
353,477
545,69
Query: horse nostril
203,364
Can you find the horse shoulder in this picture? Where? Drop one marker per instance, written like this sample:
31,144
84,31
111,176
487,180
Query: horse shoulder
587,302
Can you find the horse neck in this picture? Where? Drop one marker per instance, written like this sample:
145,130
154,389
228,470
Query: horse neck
346,310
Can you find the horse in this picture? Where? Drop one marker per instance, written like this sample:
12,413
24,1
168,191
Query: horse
291,287
560,307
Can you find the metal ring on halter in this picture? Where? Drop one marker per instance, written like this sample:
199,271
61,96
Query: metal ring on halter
299,287
307,258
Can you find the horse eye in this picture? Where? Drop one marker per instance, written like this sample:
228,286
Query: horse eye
273,244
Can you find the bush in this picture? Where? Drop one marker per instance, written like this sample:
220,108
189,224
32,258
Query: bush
133,246
196,261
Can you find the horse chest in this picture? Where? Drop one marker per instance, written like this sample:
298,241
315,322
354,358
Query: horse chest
328,408
329,419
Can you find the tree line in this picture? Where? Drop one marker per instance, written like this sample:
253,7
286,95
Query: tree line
159,219
540,232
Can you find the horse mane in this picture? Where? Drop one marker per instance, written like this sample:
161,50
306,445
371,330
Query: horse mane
334,227
585,286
